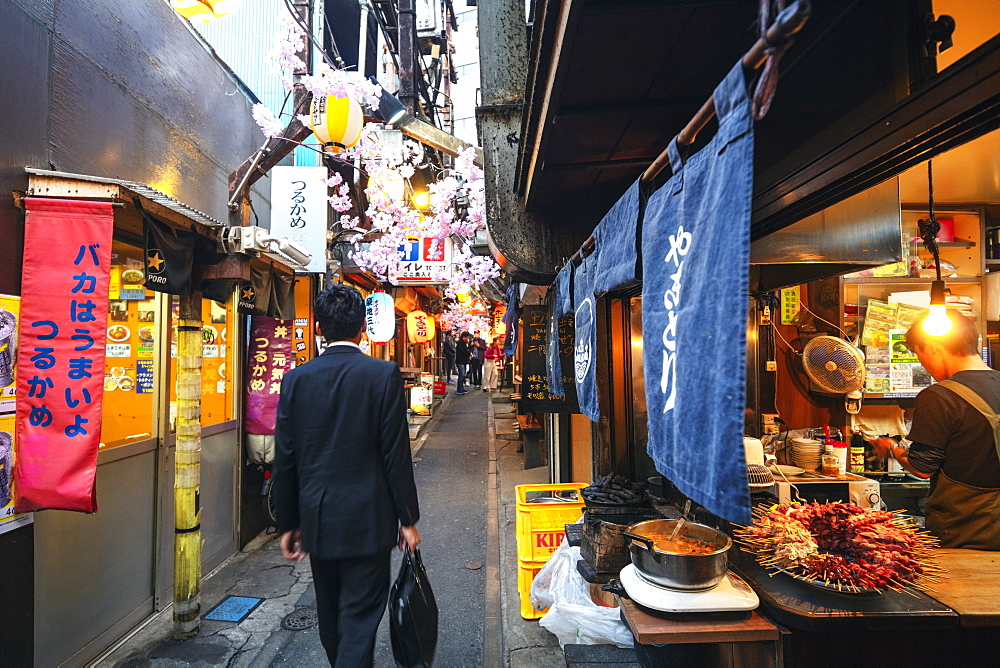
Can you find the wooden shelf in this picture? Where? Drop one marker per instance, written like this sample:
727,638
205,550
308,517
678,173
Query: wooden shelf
907,279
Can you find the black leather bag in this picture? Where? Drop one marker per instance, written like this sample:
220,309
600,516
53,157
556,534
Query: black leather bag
413,614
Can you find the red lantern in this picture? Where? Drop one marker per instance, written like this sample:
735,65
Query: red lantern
420,326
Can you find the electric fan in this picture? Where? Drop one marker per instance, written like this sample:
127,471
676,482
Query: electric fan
834,365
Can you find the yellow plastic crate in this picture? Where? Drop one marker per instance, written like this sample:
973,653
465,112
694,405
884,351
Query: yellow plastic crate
540,526
526,572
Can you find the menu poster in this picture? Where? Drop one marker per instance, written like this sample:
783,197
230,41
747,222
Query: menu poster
535,395
907,374
900,352
422,396
9,520
9,310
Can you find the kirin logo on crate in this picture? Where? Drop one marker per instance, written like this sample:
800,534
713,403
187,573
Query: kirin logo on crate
549,540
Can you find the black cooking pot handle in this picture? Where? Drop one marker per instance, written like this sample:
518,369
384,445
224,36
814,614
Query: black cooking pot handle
648,542
615,587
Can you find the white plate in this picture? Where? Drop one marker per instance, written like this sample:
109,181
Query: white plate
788,470
123,333
732,593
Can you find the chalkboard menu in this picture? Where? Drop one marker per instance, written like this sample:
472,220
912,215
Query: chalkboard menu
535,397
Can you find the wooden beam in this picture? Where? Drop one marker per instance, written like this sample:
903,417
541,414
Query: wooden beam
434,137
275,150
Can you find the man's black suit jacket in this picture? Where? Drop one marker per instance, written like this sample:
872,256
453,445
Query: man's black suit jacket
342,467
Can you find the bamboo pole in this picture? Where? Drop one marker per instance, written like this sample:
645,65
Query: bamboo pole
187,470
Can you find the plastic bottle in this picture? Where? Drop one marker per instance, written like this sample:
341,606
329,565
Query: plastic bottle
840,449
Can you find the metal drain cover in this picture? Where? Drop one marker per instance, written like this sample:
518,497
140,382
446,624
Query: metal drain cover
299,619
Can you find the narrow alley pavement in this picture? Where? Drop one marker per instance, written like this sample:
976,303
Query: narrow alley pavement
467,525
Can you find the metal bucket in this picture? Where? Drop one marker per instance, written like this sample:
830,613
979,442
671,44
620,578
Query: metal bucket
692,572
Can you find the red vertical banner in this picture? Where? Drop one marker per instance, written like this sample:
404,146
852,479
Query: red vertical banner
270,356
60,357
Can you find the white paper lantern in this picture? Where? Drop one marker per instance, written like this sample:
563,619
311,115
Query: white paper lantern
380,317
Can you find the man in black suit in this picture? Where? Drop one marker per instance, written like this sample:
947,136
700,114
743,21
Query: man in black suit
344,480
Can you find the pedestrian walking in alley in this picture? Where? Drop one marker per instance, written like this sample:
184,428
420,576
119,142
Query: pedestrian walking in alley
449,356
463,354
478,348
491,369
344,481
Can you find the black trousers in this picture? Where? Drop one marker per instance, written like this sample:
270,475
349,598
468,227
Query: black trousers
350,600
476,372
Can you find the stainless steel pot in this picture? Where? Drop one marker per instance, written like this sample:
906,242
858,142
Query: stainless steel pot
693,572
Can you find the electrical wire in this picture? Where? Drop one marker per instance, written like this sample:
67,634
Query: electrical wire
806,309
308,33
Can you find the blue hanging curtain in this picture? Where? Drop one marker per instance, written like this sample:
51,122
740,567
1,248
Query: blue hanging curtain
585,337
560,305
619,263
696,246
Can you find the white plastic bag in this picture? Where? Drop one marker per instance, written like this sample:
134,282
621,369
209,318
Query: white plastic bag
573,617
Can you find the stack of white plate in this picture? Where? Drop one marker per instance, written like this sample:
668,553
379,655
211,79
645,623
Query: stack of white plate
807,453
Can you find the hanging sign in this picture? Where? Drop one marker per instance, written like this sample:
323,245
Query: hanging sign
424,261
269,359
60,358
298,210
420,326
535,395
380,317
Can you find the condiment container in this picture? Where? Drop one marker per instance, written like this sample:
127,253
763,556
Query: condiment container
840,449
831,465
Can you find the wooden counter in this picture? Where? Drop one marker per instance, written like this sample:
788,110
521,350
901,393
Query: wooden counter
971,587
660,628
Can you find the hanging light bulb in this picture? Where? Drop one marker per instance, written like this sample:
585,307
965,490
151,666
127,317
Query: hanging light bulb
937,323
422,200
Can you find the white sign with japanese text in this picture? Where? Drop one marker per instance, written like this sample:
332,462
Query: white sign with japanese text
299,207
425,261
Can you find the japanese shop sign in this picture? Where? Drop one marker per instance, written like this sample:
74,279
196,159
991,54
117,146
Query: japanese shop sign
9,518
535,395
424,261
9,308
60,357
270,358
298,210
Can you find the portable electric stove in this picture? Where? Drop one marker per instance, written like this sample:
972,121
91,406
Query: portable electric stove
731,594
